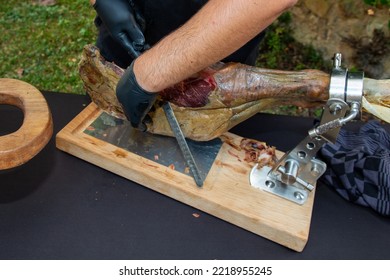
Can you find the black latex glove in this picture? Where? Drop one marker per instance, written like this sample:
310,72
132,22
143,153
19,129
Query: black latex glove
124,23
135,101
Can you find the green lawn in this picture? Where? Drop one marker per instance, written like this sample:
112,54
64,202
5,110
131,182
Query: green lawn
42,44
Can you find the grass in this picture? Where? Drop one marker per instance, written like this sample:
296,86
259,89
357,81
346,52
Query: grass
41,44
377,3
279,50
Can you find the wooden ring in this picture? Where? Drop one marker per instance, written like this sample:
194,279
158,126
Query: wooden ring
19,147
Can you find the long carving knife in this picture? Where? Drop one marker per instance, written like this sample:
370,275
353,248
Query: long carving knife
185,150
182,144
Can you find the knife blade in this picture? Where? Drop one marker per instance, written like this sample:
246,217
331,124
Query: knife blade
185,150
190,161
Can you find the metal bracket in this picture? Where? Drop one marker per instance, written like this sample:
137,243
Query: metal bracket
295,175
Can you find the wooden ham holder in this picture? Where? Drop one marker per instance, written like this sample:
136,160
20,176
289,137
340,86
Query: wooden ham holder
226,193
20,146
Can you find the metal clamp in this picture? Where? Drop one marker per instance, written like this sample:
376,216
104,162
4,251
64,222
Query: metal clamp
295,175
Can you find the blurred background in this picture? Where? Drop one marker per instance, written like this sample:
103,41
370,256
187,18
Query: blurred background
41,40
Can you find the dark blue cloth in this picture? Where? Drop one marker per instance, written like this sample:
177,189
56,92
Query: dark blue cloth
359,166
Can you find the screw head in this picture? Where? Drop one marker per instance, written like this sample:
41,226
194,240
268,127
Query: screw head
269,184
299,196
335,108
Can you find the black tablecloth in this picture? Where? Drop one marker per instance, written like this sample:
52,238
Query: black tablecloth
57,206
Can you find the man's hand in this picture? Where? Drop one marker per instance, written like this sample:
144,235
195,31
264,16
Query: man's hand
216,31
135,101
123,22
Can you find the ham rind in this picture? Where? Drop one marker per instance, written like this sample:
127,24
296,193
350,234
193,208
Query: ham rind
216,99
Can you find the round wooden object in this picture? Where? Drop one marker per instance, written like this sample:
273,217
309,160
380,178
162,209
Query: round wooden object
37,128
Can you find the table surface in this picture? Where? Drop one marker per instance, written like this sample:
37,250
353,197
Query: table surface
57,206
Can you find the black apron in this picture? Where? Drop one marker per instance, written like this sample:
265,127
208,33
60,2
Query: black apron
163,17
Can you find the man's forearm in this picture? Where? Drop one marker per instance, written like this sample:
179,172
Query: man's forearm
217,30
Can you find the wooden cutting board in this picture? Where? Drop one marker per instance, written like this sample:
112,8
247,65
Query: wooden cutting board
20,146
226,193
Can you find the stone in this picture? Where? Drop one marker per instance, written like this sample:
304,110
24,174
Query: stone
328,24
319,8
